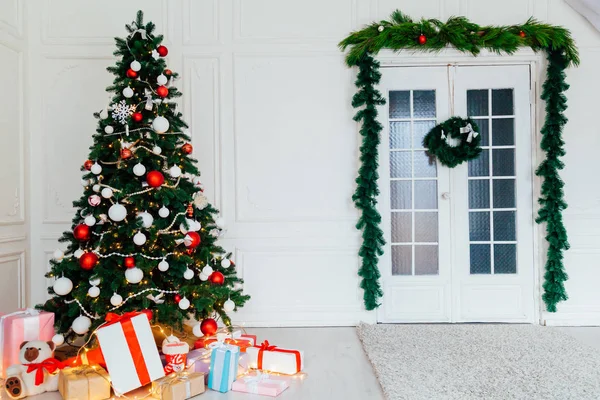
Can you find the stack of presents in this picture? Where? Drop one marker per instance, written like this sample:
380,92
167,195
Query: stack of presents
127,355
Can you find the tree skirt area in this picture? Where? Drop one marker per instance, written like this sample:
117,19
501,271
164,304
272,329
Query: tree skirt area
480,362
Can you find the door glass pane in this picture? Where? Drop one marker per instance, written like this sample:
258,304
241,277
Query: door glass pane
402,260
424,103
426,227
400,164
425,195
399,135
425,166
401,195
401,227
426,260
480,259
420,129
481,165
399,104
479,226
503,132
505,258
504,226
477,102
503,162
504,193
479,193
484,131
502,102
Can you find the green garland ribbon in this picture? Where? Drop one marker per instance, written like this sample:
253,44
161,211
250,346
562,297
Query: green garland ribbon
401,32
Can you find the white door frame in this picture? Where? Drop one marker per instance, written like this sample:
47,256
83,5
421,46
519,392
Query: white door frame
537,63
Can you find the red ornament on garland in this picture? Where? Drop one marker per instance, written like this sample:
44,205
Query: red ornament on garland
209,327
137,116
168,72
217,278
126,153
162,91
422,39
129,262
88,164
191,240
131,74
155,178
148,313
187,148
177,298
88,261
81,232
522,34
162,51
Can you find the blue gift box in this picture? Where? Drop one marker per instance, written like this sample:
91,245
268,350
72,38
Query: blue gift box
224,361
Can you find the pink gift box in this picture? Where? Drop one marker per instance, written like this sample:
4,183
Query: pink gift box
21,326
259,383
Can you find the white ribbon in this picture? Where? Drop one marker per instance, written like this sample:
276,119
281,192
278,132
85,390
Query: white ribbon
443,134
469,130
158,299
141,31
252,382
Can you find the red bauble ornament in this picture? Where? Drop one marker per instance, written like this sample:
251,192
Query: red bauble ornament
209,327
131,74
137,116
422,39
81,232
162,51
129,262
155,178
88,261
162,91
168,72
148,313
186,148
126,153
522,34
217,278
177,298
192,239
88,164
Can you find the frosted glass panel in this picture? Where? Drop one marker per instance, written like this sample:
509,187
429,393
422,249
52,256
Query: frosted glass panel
503,162
426,227
401,227
502,102
484,131
400,164
503,132
479,193
426,260
504,193
400,104
481,165
424,103
425,195
420,129
479,226
481,259
505,258
425,166
504,225
399,135
401,260
477,102
401,195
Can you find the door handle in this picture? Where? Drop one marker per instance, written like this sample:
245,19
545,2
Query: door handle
446,195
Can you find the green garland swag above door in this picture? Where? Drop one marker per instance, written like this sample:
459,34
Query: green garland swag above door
401,32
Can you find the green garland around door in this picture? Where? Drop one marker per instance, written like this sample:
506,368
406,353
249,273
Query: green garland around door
401,32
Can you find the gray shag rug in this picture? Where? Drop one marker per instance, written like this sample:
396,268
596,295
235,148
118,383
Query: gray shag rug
480,362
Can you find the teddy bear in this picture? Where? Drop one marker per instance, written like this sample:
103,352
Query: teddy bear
37,373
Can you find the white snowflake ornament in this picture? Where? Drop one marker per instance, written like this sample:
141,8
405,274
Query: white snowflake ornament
200,201
122,111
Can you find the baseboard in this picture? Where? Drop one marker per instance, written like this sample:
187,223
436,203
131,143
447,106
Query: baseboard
572,318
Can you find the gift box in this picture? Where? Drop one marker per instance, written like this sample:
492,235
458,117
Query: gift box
224,361
175,355
199,360
236,338
84,383
178,386
261,383
272,358
129,351
21,326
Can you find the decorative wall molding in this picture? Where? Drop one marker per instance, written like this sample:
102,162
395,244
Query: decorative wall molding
19,258
12,24
214,18
12,239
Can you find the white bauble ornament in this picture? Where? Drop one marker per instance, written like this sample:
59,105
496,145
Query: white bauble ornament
139,239
220,222
225,263
58,339
116,300
96,188
207,270
85,182
147,219
58,254
62,286
104,114
107,193
196,180
117,212
197,331
134,275
184,304
175,171
78,253
188,274
94,291
157,150
164,212
81,325
139,169
160,125
170,339
96,169
203,277
135,65
381,28
90,220
163,265
161,79
109,129
128,92
229,306
95,281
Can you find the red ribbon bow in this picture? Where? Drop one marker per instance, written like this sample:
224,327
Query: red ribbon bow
49,364
266,346
112,318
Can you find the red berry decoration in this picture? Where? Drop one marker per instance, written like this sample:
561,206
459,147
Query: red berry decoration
129,262
126,153
155,178
137,116
168,72
177,298
148,313
209,327
422,39
88,261
162,91
522,34
162,51
186,148
131,74
217,278
192,239
82,232
88,164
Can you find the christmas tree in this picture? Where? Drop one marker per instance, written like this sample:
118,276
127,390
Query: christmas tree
144,235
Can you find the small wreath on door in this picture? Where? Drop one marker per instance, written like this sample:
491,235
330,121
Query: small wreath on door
454,141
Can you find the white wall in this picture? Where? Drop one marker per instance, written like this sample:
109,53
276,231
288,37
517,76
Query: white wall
268,98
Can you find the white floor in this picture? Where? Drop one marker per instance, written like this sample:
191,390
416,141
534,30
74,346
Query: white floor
336,366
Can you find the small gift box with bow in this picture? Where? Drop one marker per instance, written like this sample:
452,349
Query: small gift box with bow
84,383
271,358
236,338
224,361
260,383
178,386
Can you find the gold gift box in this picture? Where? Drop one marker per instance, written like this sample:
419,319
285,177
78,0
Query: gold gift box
178,387
84,383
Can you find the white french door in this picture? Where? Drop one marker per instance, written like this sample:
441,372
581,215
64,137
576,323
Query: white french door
459,241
